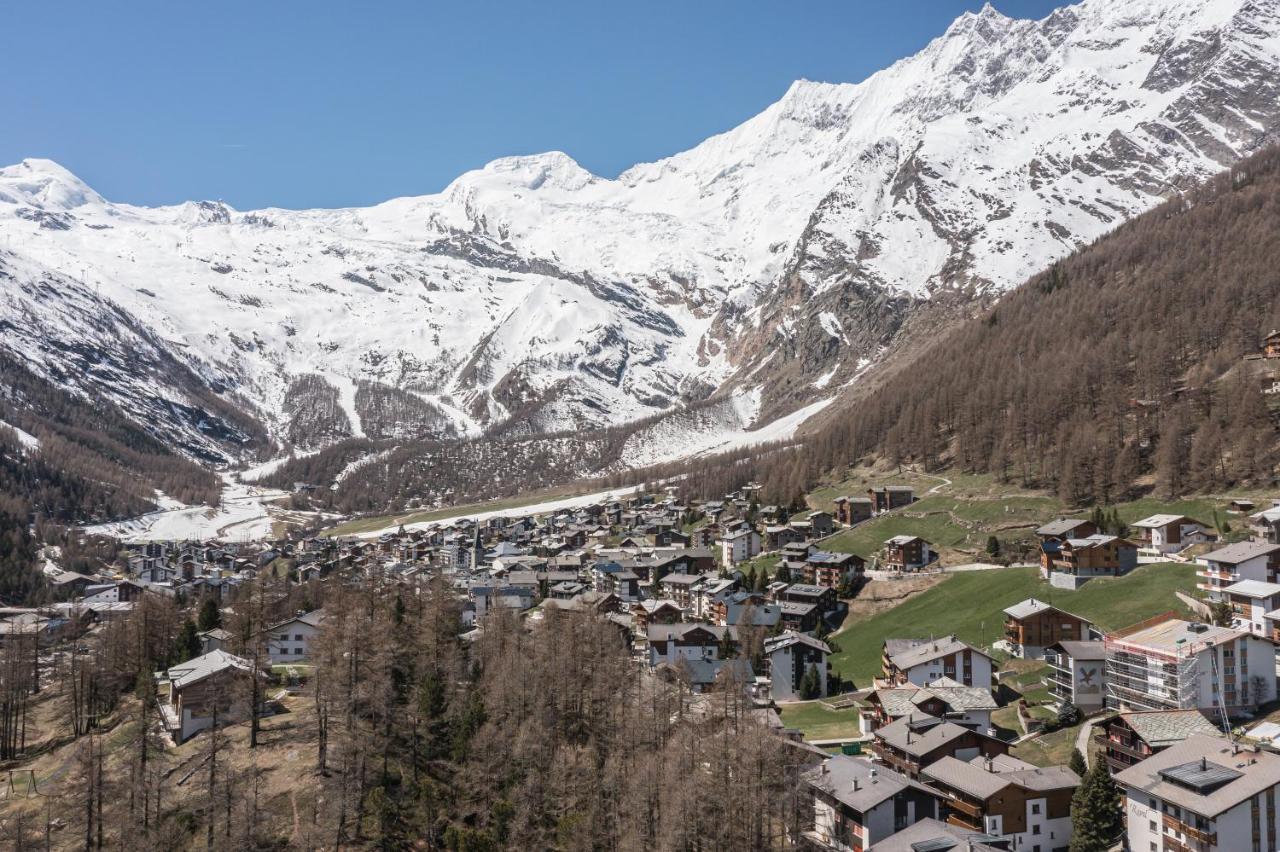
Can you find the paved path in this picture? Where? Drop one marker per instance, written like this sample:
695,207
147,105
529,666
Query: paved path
1082,739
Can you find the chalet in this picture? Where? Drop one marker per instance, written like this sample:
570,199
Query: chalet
885,498
1065,528
291,641
1245,560
1033,625
790,657
1077,674
215,639
778,537
1252,601
824,597
1162,534
800,617
832,569
742,610
1133,737
914,742
214,685
1264,526
922,661
710,599
852,510
906,553
968,706
859,805
487,598
1007,798
565,590
1072,563
649,612
1271,345
671,642
821,524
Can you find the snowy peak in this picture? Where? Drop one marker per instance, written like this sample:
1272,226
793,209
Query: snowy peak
45,185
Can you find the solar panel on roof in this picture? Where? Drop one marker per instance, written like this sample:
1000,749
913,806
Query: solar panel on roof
937,844
1202,776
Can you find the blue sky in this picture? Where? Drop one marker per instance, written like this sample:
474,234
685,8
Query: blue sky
306,104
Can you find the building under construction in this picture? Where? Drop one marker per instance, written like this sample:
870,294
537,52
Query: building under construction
1166,663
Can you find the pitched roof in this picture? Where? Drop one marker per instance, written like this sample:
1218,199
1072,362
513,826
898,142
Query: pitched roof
1161,521
1246,774
931,835
858,783
919,734
1062,526
1241,551
788,638
1161,728
1253,589
908,653
1078,650
196,670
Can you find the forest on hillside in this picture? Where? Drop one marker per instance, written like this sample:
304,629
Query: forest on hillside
542,734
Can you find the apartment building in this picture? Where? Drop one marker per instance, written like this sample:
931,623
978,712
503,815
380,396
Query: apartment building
1204,794
1167,663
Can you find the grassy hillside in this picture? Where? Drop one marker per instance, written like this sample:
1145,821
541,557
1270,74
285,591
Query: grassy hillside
970,605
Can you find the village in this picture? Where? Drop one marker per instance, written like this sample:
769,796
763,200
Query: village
945,740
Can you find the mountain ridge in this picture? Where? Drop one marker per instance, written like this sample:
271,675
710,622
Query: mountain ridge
784,256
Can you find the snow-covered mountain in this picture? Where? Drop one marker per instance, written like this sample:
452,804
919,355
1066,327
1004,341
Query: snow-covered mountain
772,262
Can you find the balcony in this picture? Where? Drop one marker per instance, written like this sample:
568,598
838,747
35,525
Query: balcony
968,809
1126,749
1196,834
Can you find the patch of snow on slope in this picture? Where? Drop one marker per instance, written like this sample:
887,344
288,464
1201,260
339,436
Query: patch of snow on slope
28,441
353,466
714,430
825,379
257,472
831,325
247,513
548,507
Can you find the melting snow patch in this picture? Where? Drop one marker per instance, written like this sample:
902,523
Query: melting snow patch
29,442
825,379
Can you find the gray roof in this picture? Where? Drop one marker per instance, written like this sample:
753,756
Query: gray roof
965,777
788,638
908,653
1253,589
1060,527
1161,728
1241,551
1257,771
872,789
920,733
196,670
931,835
1077,650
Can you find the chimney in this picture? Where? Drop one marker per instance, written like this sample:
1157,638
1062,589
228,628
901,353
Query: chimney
856,786
874,775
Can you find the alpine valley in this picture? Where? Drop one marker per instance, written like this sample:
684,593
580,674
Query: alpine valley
720,296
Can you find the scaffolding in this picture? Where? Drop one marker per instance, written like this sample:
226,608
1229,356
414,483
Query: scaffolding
1144,678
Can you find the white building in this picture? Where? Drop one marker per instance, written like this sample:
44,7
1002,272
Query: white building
1011,799
1203,794
1162,534
1183,665
1245,560
791,655
923,661
1252,601
739,546
290,641
1077,674
858,804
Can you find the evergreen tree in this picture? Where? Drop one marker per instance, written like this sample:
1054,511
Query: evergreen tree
1077,764
1097,818
783,574
993,546
210,615
810,685
187,645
